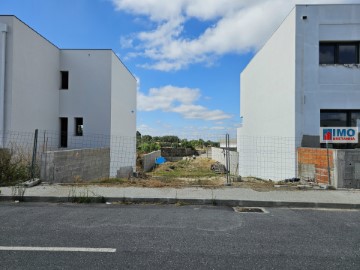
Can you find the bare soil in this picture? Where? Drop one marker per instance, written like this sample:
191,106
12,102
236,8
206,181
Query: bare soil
185,173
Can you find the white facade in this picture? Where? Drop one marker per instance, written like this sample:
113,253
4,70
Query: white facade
101,91
284,88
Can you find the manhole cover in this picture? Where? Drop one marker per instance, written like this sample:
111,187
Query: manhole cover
249,210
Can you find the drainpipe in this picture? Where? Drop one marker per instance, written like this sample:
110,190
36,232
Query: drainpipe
3,30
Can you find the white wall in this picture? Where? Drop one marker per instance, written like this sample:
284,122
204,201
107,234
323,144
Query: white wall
219,154
123,116
267,86
268,107
123,99
324,87
3,32
88,96
31,91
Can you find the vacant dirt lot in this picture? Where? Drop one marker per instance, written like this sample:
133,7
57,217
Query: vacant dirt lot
186,173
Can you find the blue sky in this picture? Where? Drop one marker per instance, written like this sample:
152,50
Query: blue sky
186,54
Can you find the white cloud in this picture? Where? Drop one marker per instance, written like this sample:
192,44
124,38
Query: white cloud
191,111
217,128
178,100
238,26
192,132
165,98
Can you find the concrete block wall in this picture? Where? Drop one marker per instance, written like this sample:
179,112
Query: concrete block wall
67,166
149,160
313,164
218,154
347,168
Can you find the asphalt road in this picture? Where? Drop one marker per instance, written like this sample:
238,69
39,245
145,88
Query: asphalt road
177,237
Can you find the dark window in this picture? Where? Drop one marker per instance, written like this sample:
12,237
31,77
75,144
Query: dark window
333,119
63,131
355,119
79,126
339,53
327,54
347,54
64,79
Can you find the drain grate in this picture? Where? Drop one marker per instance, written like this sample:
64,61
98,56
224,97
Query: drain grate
249,209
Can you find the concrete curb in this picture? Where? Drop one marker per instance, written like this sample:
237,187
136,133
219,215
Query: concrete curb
215,202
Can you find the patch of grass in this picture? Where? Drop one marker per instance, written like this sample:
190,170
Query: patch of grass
188,168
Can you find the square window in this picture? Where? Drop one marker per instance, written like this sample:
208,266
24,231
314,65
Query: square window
327,54
347,54
79,127
64,79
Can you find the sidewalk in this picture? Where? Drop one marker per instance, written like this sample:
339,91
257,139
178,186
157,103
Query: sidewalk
231,196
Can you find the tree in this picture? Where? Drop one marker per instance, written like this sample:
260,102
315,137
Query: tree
146,138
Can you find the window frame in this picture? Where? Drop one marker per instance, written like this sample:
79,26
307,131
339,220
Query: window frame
337,52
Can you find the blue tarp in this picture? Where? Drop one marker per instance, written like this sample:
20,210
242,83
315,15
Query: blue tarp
160,160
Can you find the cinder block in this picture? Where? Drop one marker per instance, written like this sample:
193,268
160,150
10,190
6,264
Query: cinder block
64,166
124,172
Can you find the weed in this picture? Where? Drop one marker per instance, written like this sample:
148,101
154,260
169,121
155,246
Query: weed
83,197
14,166
18,191
181,203
77,179
213,198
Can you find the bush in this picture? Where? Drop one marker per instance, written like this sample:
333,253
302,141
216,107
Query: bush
13,168
149,147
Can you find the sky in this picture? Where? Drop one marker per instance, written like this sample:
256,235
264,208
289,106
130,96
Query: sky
187,55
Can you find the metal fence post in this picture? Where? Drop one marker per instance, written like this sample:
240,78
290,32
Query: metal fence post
227,159
34,154
328,163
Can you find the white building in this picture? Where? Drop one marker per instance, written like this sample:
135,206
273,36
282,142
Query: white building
80,94
307,75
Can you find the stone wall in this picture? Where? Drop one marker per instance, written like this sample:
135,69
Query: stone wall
218,154
68,166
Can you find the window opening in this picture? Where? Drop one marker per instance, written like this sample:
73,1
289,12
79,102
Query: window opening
64,79
79,126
